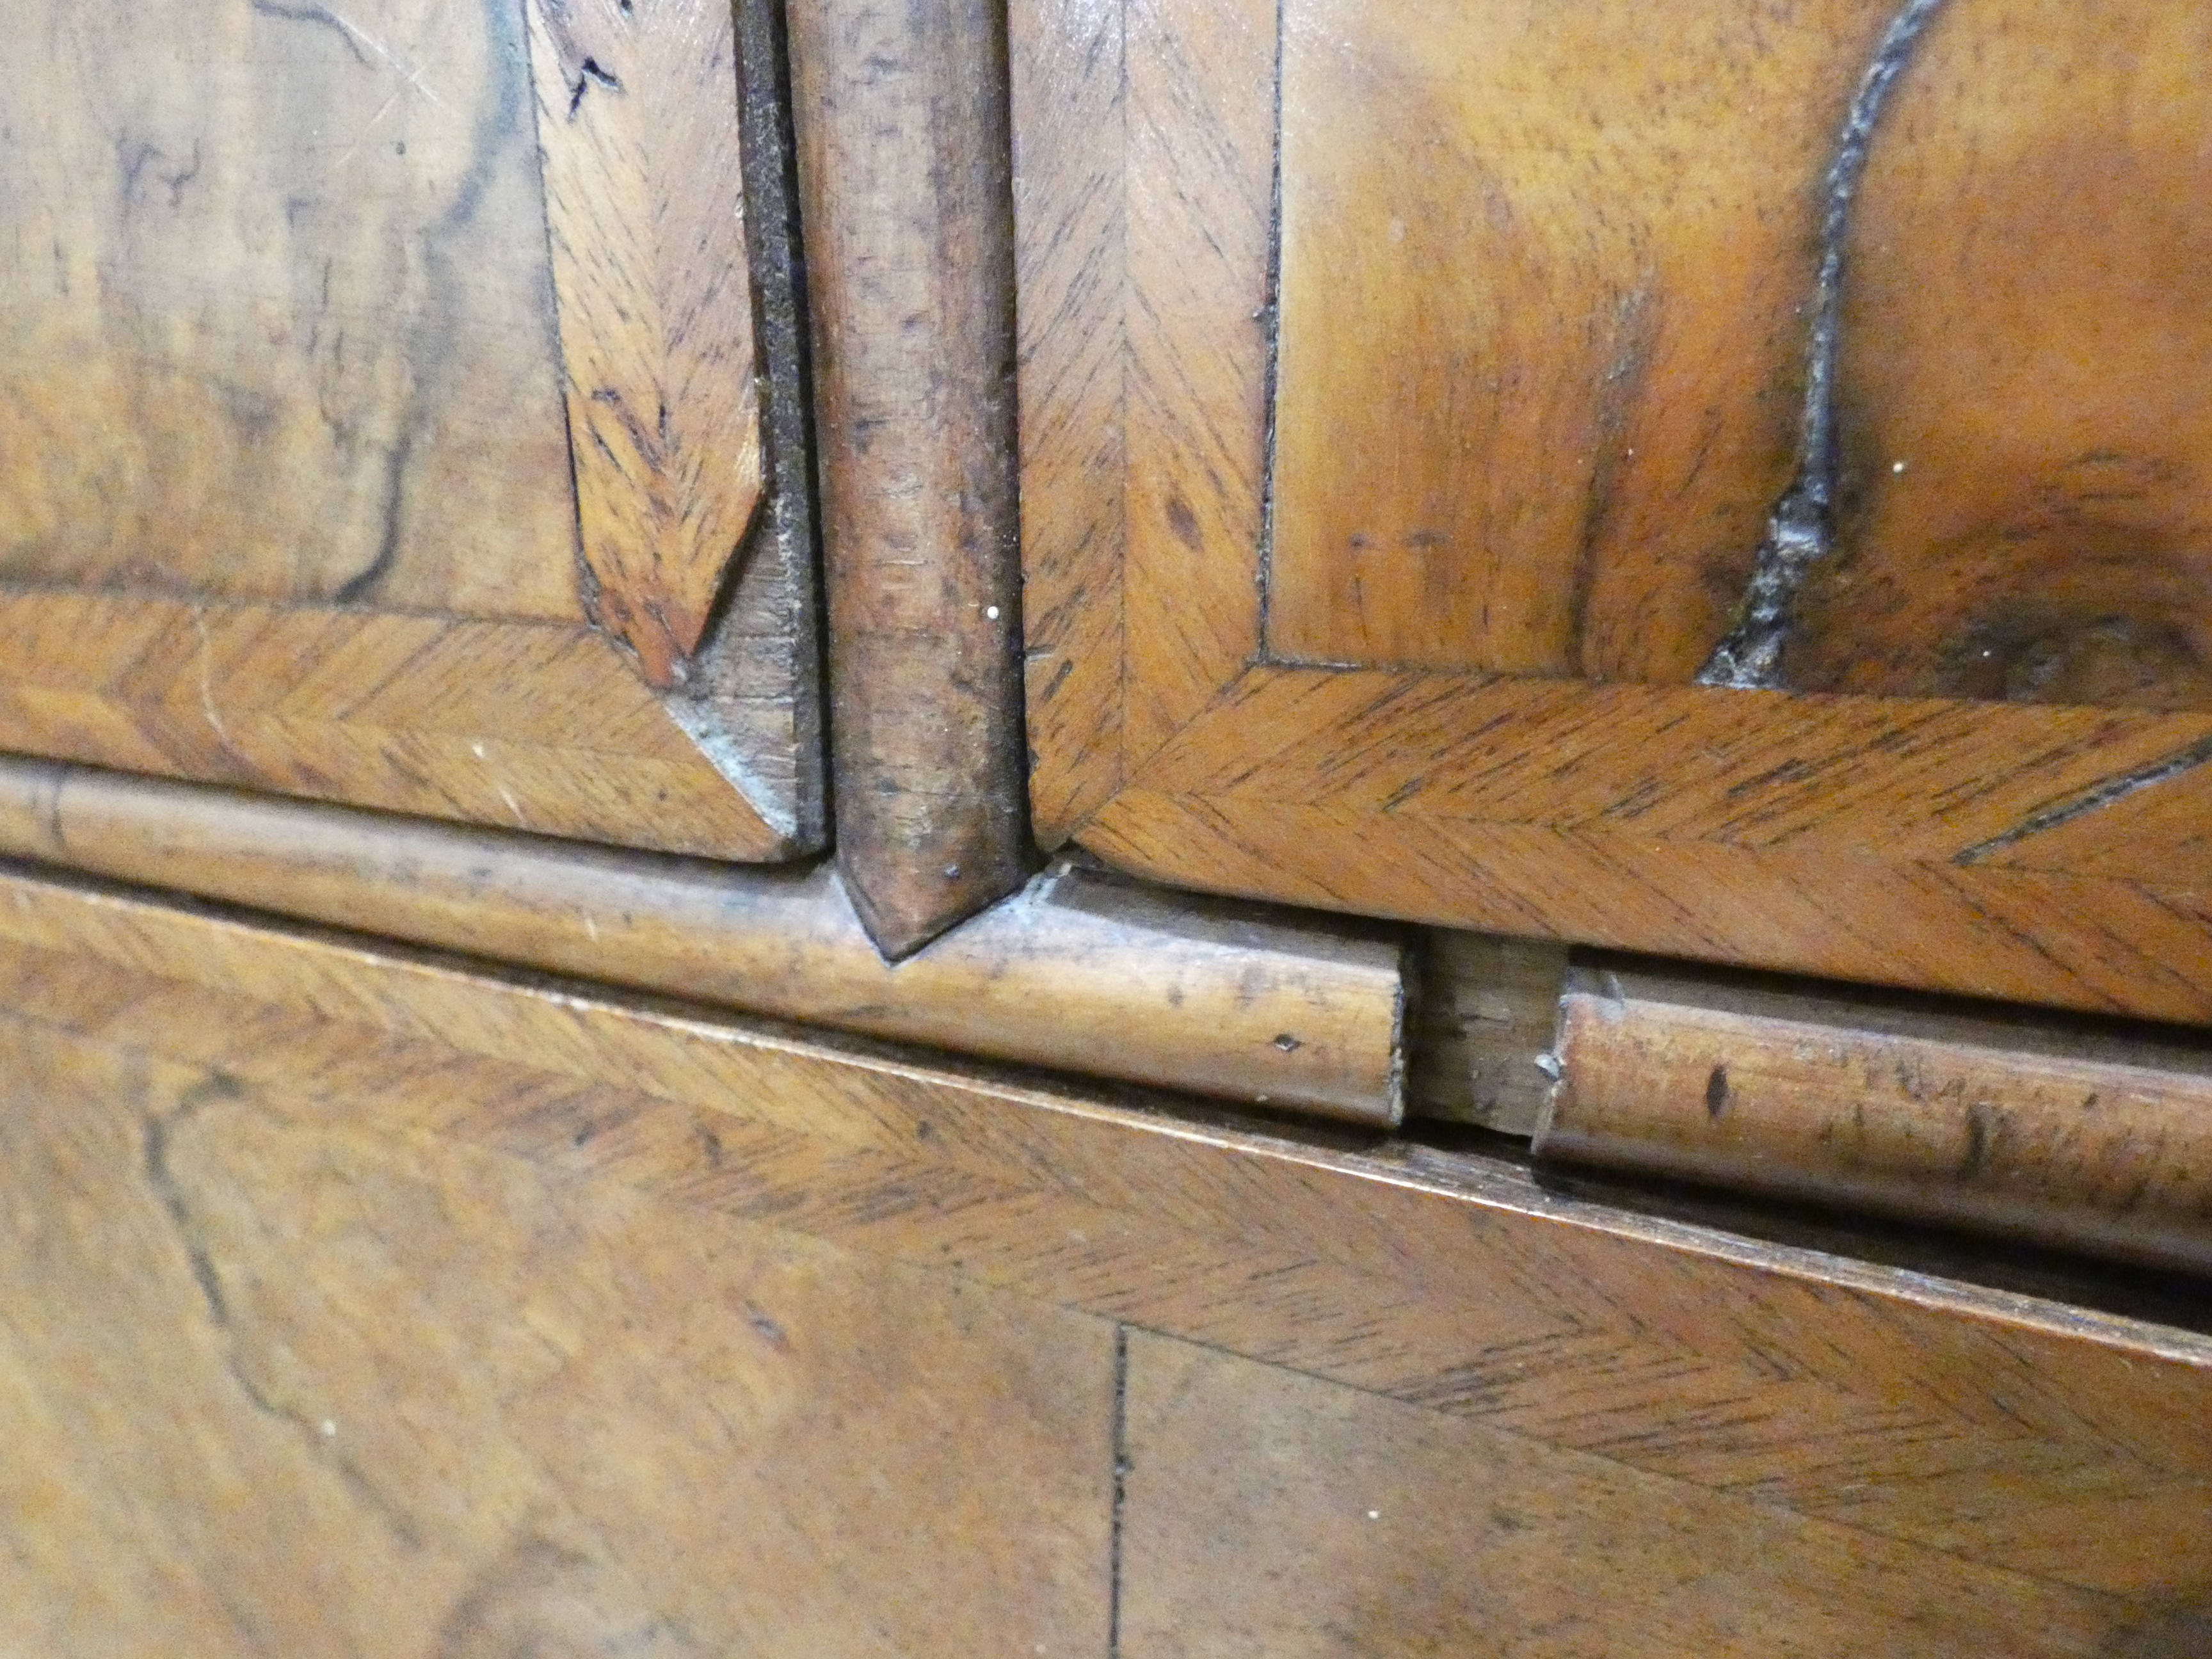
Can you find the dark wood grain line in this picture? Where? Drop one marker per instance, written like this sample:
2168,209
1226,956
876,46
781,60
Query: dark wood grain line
2094,798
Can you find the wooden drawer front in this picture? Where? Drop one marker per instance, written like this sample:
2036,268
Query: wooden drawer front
323,469
360,1302
1451,493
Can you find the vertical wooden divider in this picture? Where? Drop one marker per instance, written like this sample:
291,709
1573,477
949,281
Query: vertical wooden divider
906,199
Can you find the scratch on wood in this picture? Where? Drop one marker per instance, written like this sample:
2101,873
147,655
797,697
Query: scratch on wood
354,35
207,680
1800,531
2095,796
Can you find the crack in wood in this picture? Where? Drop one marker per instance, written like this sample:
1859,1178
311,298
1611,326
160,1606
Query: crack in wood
592,72
216,1088
1121,1468
1801,528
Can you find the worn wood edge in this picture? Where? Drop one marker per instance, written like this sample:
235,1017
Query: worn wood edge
1410,1168
2095,1137
536,726
752,696
905,196
1078,971
53,908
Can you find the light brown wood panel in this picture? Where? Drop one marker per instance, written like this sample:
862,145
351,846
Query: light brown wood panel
1269,1513
1541,279
1138,338
1195,377
1068,123
1758,1383
283,463
2008,849
275,1378
1549,282
279,324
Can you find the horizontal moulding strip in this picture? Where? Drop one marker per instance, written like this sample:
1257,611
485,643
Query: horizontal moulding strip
2088,1135
1079,970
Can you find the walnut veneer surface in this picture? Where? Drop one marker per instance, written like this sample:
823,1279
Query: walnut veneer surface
359,1302
291,496
1416,399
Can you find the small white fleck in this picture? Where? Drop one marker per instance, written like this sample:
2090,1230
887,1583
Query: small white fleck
1548,1064
1374,1515
1897,466
329,1427
591,927
991,611
477,749
207,685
